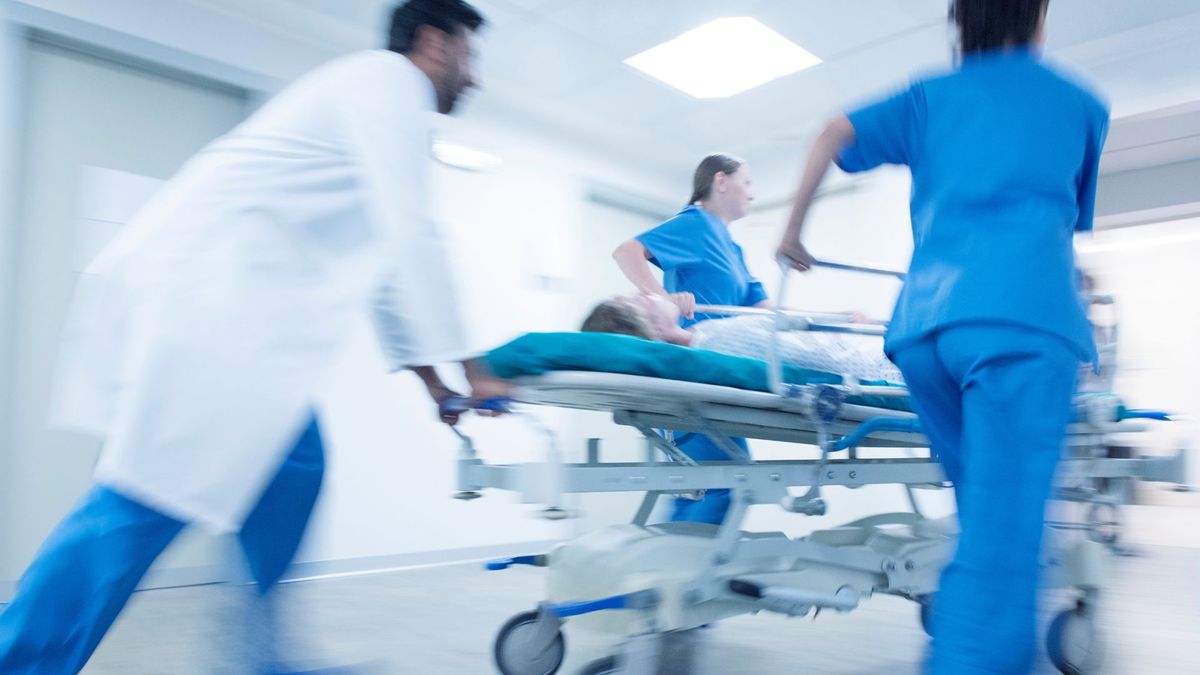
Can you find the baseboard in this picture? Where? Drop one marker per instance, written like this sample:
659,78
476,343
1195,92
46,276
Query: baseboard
199,576
177,577
376,564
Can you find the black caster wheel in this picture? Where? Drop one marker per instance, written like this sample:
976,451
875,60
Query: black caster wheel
1073,642
516,653
925,603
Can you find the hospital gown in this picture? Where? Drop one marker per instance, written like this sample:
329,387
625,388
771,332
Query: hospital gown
858,356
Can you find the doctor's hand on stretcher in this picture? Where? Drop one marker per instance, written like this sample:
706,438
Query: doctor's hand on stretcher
484,385
486,392
438,391
451,409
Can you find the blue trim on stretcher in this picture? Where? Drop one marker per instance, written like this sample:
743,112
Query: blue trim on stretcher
874,425
566,609
1145,414
456,405
505,563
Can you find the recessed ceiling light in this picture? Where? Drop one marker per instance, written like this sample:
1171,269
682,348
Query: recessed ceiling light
723,58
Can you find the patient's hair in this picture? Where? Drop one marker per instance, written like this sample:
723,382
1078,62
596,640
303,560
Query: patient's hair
621,318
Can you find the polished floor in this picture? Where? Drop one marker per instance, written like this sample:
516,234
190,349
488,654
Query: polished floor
442,620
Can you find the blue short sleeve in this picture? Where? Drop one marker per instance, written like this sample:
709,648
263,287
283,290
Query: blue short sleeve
675,243
1090,174
755,293
885,132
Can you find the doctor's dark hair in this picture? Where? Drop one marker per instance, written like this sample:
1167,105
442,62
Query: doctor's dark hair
710,166
448,16
991,24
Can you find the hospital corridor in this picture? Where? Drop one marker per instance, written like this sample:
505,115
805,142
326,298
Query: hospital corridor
599,337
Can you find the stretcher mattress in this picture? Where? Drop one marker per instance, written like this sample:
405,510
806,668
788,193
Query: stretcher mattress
537,354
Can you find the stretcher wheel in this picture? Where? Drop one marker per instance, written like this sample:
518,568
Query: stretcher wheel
515,653
925,603
1073,642
605,666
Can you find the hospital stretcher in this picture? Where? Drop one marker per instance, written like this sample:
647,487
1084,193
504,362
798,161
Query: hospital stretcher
644,581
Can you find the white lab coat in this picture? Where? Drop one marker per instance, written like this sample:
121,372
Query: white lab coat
200,334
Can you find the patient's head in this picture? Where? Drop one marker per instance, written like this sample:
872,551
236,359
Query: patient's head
618,316
644,315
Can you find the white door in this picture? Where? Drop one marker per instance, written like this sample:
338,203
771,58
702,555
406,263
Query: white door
83,111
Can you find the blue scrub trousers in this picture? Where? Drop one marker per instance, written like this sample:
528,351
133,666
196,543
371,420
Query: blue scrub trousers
85,572
715,503
995,401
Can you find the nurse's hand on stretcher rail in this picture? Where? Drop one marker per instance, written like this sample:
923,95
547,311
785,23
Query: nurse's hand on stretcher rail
686,302
837,135
794,255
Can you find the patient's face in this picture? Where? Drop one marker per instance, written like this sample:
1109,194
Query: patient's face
661,314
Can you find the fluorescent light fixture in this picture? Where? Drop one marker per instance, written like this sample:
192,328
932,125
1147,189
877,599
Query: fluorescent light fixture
723,57
464,157
1093,247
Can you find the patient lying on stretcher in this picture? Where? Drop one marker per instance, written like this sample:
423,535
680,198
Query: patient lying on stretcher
653,317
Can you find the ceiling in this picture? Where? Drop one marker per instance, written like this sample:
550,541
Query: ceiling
557,65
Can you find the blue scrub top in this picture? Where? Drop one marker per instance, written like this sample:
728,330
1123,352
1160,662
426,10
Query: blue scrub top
1004,154
697,256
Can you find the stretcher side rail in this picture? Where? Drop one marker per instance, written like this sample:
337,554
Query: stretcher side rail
767,481
791,427
763,425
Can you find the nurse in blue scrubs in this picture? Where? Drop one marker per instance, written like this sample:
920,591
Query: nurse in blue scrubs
701,264
988,330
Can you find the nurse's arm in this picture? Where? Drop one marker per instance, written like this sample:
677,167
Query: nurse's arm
837,134
634,260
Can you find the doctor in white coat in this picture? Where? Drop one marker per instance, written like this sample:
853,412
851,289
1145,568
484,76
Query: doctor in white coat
200,335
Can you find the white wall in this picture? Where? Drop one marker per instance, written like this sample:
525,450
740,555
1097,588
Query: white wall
863,220
79,111
1152,272
180,34
11,70
603,227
